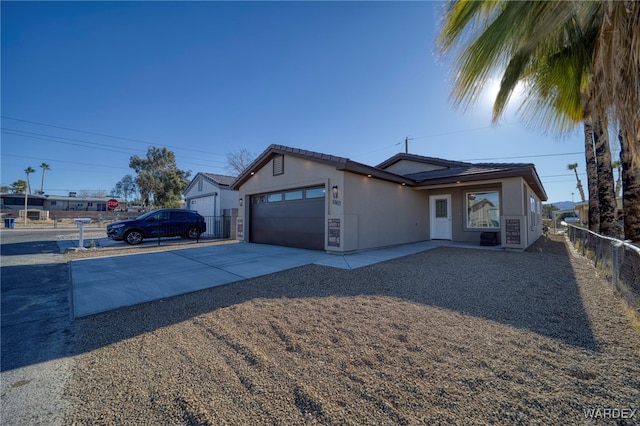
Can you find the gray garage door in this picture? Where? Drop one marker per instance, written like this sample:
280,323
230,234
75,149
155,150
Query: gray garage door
293,218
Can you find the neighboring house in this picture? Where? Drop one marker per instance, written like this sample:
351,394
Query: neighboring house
582,210
58,203
209,194
293,197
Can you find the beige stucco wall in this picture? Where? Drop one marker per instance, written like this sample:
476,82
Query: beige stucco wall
380,213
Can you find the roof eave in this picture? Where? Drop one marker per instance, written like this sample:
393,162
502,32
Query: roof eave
527,173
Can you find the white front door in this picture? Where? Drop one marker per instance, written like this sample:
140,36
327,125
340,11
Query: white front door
440,212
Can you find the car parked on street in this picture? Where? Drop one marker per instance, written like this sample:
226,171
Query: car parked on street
158,223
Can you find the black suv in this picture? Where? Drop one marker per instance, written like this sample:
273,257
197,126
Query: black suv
158,223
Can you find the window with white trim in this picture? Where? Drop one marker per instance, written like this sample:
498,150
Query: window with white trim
483,210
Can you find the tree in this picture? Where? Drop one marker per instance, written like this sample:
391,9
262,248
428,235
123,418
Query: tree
574,167
19,187
618,166
125,187
549,46
44,167
617,70
28,171
547,210
159,180
239,160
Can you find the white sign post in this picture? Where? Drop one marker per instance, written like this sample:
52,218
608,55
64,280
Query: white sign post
80,221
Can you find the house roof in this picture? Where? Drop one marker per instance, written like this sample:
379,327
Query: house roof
340,163
419,159
451,172
469,172
218,180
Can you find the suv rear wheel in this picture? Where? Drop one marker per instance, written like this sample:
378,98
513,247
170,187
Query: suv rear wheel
133,237
193,233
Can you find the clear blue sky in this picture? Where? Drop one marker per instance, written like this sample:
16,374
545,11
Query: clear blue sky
205,78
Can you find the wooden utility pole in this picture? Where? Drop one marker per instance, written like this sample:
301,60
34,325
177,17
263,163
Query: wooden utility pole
406,145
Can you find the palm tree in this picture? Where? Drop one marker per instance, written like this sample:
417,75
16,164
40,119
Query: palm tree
618,166
28,171
44,167
617,69
574,167
19,186
549,45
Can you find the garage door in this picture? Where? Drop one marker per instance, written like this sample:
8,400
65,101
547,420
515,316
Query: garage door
293,218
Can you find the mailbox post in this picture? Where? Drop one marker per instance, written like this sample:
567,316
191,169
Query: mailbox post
80,221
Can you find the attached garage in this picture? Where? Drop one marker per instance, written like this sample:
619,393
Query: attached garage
292,218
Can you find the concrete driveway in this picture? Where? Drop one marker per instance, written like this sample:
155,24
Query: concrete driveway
102,284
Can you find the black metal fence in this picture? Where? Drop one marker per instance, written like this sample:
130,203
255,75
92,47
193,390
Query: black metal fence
217,227
618,260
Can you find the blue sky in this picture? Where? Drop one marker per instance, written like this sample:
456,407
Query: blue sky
86,85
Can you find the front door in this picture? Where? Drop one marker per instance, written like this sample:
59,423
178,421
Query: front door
440,211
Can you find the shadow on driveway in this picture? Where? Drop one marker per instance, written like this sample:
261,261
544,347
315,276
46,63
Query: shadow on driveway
536,290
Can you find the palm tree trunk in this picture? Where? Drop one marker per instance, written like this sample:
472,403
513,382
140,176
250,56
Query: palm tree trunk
592,177
630,191
606,195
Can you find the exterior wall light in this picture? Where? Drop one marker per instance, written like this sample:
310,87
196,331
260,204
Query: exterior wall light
335,191
253,173
240,202
368,176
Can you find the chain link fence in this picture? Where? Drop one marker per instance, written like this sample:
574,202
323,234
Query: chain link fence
618,260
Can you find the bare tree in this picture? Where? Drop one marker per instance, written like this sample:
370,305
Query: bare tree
239,160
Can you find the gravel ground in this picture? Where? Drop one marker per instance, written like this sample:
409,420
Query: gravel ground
448,336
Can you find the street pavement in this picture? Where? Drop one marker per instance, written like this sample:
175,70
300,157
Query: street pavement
37,337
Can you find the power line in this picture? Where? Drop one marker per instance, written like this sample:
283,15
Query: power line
523,156
64,161
105,135
47,138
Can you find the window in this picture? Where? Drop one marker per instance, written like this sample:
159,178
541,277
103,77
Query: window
483,210
293,195
278,165
315,192
441,208
273,198
53,203
90,204
258,199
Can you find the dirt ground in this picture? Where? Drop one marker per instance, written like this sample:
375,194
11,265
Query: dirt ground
448,336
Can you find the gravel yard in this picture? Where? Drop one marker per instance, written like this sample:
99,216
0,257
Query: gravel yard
448,336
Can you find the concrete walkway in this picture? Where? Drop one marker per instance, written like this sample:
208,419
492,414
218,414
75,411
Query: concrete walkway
106,283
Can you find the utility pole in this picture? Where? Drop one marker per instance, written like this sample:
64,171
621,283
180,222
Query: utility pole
406,145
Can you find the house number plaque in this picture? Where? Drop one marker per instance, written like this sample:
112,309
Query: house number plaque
334,233
512,231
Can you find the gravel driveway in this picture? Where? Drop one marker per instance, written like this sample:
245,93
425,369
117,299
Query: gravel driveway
448,336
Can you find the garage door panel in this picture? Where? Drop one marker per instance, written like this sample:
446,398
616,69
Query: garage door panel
298,223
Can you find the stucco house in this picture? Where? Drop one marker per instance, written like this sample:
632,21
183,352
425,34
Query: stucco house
299,198
210,195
